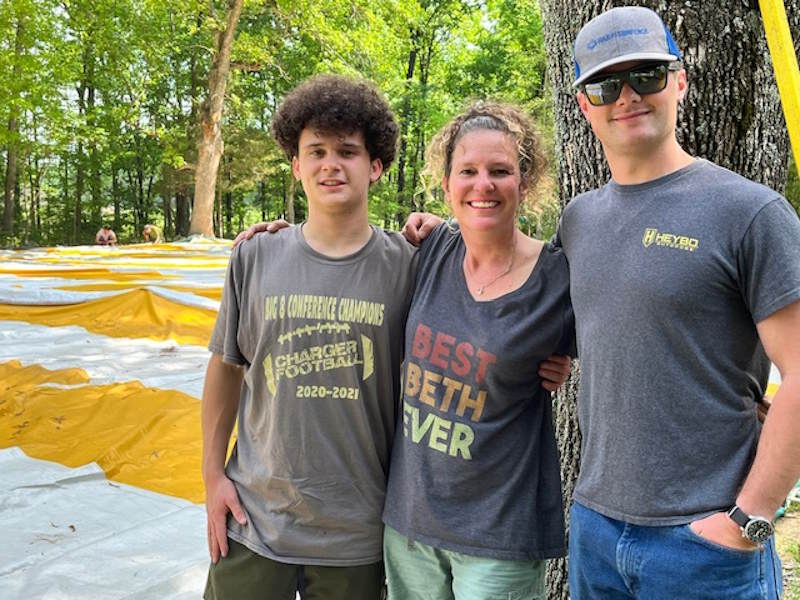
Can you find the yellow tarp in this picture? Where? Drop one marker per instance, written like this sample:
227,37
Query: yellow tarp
87,273
138,313
213,293
145,437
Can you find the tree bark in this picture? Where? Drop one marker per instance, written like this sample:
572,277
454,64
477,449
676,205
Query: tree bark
210,145
731,116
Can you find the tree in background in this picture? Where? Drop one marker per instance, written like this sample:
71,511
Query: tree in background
731,116
109,96
210,144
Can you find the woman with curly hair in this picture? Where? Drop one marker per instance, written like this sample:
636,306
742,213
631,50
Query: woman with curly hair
473,504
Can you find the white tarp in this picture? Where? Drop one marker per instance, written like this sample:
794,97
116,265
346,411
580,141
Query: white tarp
72,534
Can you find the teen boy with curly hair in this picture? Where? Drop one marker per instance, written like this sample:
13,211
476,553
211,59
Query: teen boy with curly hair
306,353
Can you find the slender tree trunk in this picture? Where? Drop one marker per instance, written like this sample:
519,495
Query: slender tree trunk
218,213
210,145
11,180
405,117
65,188
33,213
36,173
115,197
77,212
94,157
262,199
140,198
290,199
182,208
731,116
168,178
420,141
10,200
228,206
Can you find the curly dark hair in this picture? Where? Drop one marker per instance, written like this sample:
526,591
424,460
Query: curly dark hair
335,103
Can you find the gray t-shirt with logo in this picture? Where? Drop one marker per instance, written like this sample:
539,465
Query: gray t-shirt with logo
668,280
475,465
321,341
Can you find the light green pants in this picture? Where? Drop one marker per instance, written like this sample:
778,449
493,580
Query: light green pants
416,571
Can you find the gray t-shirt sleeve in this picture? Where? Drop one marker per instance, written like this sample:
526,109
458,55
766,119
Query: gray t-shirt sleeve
224,337
769,260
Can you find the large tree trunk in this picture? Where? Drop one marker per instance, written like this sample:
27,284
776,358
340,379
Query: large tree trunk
209,144
731,116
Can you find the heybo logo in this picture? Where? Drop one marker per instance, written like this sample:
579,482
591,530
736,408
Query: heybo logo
615,34
669,240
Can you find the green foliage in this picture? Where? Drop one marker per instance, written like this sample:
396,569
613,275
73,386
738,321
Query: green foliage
106,95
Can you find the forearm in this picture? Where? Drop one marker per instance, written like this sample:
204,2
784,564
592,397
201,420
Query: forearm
776,467
218,413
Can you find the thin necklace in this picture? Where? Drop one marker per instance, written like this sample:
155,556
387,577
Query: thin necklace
480,289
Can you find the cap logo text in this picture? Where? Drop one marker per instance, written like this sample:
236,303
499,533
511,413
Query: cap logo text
615,34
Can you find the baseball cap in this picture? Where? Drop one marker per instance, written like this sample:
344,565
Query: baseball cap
619,35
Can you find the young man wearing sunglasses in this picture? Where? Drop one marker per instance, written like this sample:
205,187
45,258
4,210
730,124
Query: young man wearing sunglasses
685,280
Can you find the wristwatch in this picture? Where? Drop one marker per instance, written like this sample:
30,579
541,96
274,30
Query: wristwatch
754,528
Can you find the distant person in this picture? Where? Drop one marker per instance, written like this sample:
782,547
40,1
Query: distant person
105,236
152,234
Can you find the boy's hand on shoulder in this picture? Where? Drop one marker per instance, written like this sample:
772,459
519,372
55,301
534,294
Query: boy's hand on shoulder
270,226
554,371
221,498
419,226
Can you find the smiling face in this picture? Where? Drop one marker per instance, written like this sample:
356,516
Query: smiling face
636,124
335,169
484,187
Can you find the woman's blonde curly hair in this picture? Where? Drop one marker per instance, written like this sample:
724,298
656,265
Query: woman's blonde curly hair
482,116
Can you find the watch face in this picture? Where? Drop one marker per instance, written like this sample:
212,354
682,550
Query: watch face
758,530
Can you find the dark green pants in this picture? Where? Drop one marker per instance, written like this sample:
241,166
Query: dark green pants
245,575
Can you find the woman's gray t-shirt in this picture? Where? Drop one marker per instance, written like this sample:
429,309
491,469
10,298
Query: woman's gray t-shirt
475,466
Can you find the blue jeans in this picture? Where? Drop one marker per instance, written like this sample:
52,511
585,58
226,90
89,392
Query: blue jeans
614,560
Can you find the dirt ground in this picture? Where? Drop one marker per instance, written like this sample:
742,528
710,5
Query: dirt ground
788,538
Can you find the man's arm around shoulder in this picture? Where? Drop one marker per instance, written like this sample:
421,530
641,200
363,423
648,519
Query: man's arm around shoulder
220,404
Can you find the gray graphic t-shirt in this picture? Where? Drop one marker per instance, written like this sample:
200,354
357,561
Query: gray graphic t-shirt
321,340
475,466
669,279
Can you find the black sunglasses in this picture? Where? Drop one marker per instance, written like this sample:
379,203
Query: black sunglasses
644,79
